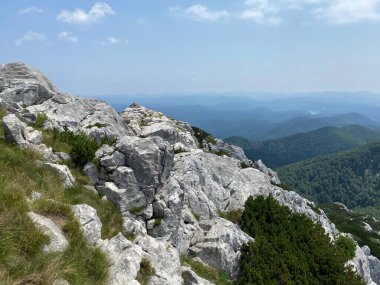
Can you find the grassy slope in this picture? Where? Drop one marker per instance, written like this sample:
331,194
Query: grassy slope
22,260
283,151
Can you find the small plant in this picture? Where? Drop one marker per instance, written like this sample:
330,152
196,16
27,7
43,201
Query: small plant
202,135
220,152
233,216
137,210
244,165
157,222
207,272
108,140
3,112
146,271
197,216
40,121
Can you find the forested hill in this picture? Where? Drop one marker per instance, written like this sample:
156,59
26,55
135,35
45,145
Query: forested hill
283,151
350,177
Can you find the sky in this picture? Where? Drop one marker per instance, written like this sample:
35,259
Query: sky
92,47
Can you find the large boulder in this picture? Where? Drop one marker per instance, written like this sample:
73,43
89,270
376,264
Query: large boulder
16,131
21,85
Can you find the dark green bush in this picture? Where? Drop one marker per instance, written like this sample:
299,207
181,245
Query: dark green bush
202,135
290,249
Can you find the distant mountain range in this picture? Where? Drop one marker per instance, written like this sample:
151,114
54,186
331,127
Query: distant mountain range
290,149
261,116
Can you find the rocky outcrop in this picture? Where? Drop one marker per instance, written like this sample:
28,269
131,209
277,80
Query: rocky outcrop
58,241
169,187
19,133
149,123
374,265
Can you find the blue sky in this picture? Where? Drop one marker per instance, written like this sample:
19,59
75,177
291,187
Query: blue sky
131,46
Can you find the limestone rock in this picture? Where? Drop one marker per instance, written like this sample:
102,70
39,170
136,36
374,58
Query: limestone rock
24,85
64,173
58,242
148,123
89,222
150,158
125,258
374,265
218,245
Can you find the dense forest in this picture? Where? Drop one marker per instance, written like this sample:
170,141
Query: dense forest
290,249
283,151
350,177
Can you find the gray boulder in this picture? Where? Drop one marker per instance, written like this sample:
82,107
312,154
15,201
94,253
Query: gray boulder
89,222
67,178
58,242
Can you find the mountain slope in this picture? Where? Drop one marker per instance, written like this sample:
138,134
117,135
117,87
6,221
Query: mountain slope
350,177
287,150
170,191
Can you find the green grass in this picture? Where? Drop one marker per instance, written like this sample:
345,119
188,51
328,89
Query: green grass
232,216
22,260
40,121
146,272
207,272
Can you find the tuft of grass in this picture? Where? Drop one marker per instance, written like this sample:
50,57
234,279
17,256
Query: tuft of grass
146,272
137,210
207,272
157,222
233,216
40,121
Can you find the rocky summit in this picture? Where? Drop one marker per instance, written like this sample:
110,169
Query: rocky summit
169,184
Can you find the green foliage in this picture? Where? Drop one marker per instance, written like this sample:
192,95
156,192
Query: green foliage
232,216
207,272
137,210
80,146
157,222
220,152
202,135
352,222
40,121
146,272
286,150
243,165
22,260
290,249
348,177
3,112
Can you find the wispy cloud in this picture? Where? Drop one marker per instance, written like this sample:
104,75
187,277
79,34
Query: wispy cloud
68,37
114,41
350,11
80,17
262,12
31,37
199,12
30,10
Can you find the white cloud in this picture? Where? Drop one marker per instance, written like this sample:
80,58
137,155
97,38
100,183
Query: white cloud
113,41
30,10
81,17
31,37
199,12
67,36
350,11
262,12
